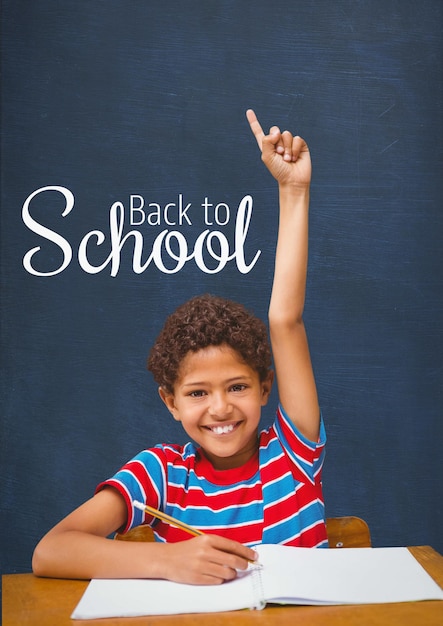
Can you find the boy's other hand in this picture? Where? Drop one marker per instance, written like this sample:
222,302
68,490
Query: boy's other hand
286,156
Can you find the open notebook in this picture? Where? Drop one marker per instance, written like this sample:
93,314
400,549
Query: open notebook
287,576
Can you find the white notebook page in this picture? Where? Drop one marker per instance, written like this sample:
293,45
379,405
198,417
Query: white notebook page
346,576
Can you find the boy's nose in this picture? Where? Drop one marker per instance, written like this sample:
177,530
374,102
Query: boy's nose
219,405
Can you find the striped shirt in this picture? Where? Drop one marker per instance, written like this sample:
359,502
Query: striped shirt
276,497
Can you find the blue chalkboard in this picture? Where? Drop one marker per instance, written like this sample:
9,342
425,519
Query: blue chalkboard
135,113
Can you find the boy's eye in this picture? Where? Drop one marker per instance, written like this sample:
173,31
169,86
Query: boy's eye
238,387
197,393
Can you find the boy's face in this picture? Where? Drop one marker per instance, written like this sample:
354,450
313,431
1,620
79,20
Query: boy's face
218,399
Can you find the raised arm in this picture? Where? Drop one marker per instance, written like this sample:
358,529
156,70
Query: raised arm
287,158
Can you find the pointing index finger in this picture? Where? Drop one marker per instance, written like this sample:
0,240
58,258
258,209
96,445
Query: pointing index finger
255,127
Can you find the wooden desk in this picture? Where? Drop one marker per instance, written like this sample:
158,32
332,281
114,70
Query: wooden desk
31,601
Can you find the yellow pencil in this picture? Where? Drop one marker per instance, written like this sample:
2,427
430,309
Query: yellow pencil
167,518
174,522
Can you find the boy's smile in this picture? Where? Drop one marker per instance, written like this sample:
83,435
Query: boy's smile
218,398
223,430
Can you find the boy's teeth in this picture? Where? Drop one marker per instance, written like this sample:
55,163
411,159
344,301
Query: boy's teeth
221,430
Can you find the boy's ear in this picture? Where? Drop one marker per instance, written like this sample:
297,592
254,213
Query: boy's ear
169,400
266,386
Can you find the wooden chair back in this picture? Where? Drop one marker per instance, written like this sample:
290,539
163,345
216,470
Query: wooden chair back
343,532
139,533
348,532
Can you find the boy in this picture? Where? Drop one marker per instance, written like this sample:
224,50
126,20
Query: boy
212,363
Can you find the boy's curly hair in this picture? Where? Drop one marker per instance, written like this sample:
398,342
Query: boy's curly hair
208,321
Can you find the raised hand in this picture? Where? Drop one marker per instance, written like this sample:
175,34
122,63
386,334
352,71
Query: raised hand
285,155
